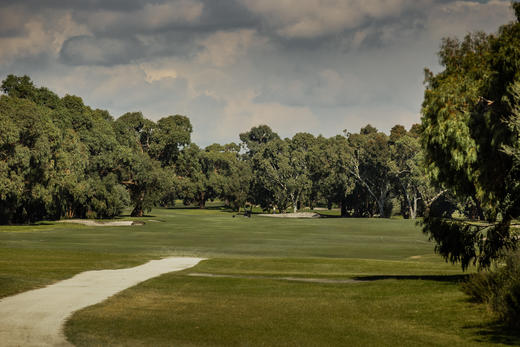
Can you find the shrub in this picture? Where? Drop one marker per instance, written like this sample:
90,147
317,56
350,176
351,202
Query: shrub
499,289
506,302
480,287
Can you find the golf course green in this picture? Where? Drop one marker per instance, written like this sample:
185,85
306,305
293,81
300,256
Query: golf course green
266,281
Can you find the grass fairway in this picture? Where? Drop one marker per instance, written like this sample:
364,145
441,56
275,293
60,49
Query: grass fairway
406,295
176,309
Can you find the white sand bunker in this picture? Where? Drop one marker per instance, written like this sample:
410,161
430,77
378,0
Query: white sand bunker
36,317
293,215
94,223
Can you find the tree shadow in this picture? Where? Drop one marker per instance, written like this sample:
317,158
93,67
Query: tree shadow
129,216
322,215
437,278
495,332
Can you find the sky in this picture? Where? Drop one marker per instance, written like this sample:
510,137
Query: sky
318,66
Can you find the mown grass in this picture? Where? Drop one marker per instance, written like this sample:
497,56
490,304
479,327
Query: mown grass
408,295
179,310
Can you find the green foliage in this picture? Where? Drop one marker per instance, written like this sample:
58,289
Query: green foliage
329,170
500,289
470,139
253,139
57,157
280,169
370,164
93,166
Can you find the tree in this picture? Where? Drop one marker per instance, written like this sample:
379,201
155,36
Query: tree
469,139
330,173
232,175
255,138
370,166
144,179
281,169
168,137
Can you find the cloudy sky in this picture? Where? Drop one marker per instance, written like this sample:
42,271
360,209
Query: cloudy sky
319,66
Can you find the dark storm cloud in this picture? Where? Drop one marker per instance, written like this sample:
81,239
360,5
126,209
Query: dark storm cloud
121,5
298,65
88,50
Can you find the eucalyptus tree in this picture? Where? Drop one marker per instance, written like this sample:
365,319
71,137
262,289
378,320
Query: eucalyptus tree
232,174
330,171
256,137
407,170
61,150
370,165
470,112
280,167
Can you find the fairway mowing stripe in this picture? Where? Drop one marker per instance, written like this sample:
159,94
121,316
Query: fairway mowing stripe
296,279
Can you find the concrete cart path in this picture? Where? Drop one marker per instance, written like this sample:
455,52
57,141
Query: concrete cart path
36,317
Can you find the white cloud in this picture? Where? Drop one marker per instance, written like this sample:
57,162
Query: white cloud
225,47
461,17
228,79
34,34
314,18
242,112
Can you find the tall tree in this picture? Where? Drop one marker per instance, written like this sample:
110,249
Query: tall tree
330,171
256,137
281,168
370,165
466,141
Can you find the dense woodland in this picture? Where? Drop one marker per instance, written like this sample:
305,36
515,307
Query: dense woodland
61,158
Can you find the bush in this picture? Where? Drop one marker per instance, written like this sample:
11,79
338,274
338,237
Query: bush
506,302
500,289
480,286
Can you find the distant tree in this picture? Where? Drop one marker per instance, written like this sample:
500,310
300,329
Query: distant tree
408,173
144,179
281,168
168,137
370,166
141,174
331,171
255,138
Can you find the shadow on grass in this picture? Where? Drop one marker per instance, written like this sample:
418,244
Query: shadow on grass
322,215
437,278
129,216
496,332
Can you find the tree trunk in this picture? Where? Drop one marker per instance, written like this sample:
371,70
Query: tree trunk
413,209
343,208
138,209
202,201
381,206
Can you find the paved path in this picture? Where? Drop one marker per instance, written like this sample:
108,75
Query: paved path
36,317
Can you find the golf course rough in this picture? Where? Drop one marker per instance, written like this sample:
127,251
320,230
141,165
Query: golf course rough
36,317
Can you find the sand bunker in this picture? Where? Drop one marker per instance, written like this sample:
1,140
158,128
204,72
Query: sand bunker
293,215
94,223
36,317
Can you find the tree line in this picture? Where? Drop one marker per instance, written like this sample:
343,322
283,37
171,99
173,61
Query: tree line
60,158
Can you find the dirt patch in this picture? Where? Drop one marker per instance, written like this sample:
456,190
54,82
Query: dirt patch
293,215
94,223
296,279
415,257
36,317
